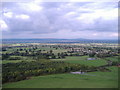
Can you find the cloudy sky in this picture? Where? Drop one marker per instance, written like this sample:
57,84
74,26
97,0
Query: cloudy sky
70,20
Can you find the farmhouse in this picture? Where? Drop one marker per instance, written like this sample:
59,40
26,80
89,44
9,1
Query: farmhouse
78,72
91,58
77,49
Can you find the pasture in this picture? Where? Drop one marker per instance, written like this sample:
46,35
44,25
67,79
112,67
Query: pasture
67,80
83,60
14,61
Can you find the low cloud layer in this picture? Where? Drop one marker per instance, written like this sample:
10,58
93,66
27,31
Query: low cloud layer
94,20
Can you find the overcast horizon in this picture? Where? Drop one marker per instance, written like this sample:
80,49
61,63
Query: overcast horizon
66,20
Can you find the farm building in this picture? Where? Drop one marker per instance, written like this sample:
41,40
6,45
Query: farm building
91,58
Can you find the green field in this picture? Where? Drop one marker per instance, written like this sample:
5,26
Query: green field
14,61
88,80
83,60
28,59
115,58
70,59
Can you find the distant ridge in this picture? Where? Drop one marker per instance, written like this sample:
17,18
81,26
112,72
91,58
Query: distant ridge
54,40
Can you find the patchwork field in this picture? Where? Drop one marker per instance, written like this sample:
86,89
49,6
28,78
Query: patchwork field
50,67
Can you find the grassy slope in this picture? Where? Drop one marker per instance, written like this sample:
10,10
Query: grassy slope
93,80
90,80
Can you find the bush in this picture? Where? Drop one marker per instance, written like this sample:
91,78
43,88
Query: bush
22,70
14,58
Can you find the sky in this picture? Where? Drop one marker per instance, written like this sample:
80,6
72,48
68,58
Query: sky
69,20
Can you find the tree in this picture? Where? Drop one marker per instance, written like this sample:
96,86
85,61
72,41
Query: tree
5,56
91,54
53,56
51,51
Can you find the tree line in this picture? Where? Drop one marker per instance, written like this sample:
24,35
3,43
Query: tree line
22,70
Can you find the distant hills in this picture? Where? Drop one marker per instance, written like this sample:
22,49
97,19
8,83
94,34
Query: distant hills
54,40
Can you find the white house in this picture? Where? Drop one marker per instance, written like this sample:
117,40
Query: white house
91,58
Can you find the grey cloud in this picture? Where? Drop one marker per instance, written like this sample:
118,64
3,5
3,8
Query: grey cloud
48,5
52,18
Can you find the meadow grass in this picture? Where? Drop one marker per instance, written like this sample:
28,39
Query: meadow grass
83,60
115,58
14,61
87,80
